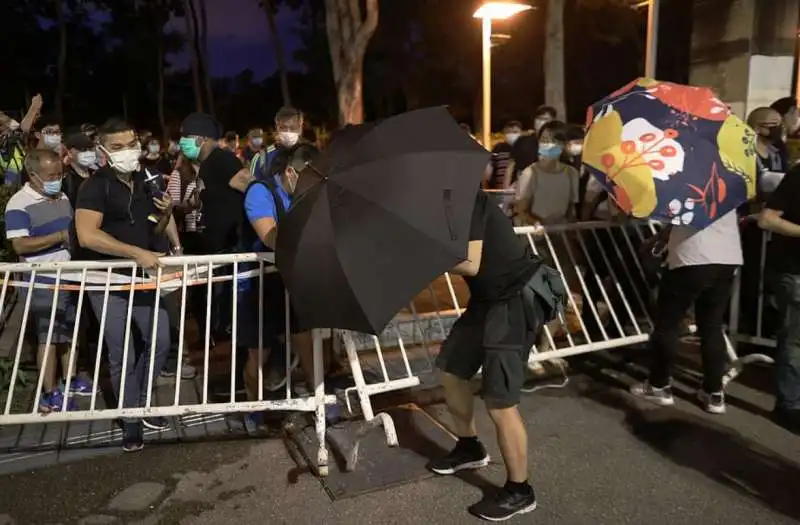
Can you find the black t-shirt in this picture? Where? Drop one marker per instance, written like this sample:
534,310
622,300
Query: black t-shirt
222,205
72,183
162,163
524,152
507,262
501,155
126,213
784,252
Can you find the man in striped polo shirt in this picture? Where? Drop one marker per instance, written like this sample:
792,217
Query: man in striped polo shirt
38,218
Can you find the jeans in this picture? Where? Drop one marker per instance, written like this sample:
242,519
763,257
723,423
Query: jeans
787,354
137,367
708,288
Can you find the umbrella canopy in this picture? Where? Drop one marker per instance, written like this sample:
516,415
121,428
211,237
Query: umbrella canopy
669,152
390,211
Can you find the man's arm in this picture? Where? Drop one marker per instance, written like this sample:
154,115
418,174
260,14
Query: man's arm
90,236
259,206
241,180
772,220
472,265
267,230
26,245
33,113
172,232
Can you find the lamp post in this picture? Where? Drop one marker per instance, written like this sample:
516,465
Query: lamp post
487,12
651,46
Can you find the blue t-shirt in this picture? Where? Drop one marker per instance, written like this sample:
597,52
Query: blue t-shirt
259,204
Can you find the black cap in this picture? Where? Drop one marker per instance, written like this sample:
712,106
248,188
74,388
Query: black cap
201,125
78,141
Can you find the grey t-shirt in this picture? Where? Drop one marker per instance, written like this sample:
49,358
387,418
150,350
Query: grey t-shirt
719,243
553,193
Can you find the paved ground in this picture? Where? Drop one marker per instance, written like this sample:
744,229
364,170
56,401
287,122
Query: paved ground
597,458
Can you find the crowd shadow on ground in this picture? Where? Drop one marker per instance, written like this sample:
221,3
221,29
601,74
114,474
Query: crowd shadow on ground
694,442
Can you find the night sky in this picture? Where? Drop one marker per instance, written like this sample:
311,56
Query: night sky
238,38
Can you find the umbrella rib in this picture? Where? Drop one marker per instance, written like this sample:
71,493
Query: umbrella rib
379,205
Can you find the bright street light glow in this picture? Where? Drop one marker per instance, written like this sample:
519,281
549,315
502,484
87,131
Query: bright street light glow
500,10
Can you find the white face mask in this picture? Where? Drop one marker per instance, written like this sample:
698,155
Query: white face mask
511,138
13,125
124,161
52,140
574,149
288,138
87,159
257,141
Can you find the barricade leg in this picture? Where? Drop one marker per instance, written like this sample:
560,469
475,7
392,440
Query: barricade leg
319,399
349,449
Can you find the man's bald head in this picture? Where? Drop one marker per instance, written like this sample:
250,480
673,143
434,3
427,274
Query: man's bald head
41,159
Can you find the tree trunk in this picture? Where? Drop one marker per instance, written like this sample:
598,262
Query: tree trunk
280,56
62,60
554,94
348,36
191,35
204,60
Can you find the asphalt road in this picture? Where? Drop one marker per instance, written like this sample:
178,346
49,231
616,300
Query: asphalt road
597,457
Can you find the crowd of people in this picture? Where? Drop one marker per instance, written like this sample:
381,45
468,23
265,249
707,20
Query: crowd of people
116,192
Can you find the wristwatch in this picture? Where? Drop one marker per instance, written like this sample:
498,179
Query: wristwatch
176,250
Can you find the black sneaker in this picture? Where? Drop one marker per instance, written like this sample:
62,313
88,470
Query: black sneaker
156,423
504,505
132,436
464,456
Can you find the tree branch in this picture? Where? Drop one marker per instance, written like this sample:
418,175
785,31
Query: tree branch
367,29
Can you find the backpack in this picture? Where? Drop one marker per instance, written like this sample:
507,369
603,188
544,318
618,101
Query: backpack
247,235
261,163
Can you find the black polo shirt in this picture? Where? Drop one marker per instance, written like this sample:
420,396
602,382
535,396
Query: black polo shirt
125,212
784,252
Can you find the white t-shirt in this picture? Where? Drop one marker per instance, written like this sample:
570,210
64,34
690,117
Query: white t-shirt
718,243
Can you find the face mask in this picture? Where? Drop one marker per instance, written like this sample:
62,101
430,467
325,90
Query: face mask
13,125
52,140
538,123
50,187
511,138
87,159
288,138
153,148
125,161
550,151
575,149
257,141
776,133
189,147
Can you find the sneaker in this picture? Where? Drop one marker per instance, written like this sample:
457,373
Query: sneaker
713,403
253,422
505,505
659,396
44,403
301,390
171,369
156,423
57,402
80,387
274,379
464,456
132,436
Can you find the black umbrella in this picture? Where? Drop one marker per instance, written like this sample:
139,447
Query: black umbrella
391,212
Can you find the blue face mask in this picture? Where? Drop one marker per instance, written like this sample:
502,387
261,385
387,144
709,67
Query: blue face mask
550,151
50,187
189,147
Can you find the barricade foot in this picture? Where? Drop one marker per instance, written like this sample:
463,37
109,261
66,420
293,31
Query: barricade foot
738,365
346,441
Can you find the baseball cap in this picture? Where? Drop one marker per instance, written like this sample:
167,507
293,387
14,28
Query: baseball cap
79,141
201,125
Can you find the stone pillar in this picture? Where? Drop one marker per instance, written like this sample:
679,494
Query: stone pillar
745,50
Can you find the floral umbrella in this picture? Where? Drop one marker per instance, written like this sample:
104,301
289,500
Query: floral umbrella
671,153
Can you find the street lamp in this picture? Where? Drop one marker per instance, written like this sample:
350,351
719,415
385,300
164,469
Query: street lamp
651,47
487,12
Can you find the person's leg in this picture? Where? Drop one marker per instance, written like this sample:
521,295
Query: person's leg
303,347
144,315
678,290
508,339
710,309
787,353
114,337
460,359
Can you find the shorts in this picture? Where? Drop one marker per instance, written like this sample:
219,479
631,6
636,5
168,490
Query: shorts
272,317
498,337
40,312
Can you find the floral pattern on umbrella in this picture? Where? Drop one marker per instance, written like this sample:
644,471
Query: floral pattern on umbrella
670,152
